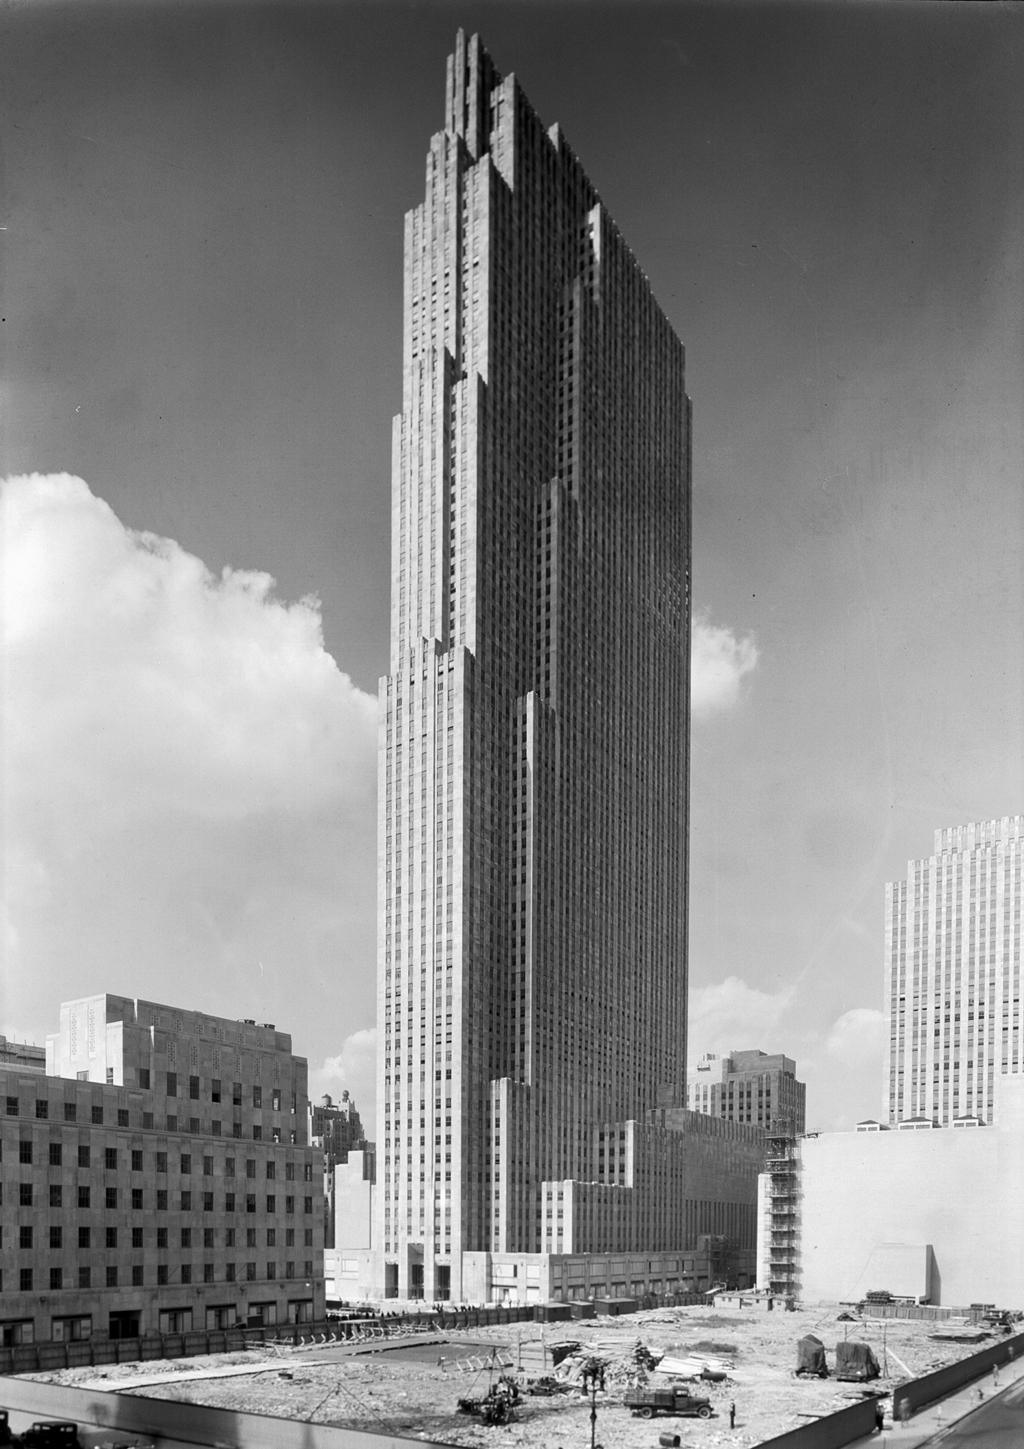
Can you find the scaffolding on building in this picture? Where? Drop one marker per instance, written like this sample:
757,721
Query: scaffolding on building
782,1165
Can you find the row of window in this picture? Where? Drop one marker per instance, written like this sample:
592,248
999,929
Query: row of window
57,1240
70,1109
112,1161
136,1198
29,1280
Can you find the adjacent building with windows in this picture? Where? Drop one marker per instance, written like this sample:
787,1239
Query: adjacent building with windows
534,738
953,974
336,1129
157,1178
750,1086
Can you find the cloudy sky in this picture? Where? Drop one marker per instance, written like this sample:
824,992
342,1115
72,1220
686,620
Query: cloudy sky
202,286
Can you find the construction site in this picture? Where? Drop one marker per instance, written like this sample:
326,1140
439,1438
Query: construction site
565,1383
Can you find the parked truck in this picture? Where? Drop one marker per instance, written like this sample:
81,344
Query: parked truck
675,1399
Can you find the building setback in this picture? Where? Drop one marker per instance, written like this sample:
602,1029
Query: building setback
953,974
532,870
749,1086
157,1178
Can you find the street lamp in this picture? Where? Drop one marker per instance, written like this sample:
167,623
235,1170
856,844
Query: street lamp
592,1379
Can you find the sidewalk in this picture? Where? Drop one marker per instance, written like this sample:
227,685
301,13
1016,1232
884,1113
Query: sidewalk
938,1416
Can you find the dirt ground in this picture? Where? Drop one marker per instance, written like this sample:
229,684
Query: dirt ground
413,1391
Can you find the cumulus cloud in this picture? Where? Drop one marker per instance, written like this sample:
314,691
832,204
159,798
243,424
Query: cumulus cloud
730,1015
352,1069
188,777
720,661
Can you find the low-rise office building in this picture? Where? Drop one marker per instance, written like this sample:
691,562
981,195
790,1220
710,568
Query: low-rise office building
157,1178
759,1088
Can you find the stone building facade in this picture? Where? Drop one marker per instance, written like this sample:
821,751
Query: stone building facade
953,965
157,1178
755,1087
534,724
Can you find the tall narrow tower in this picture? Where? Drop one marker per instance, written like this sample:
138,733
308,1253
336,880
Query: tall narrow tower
532,869
953,973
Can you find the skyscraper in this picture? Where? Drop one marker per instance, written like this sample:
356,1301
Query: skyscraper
534,725
953,973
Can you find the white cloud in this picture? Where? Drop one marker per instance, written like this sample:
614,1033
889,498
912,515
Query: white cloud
731,1016
353,1069
720,661
188,777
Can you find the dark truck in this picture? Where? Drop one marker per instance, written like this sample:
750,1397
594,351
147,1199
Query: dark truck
675,1399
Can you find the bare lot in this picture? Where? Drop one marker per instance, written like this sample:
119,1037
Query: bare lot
415,1392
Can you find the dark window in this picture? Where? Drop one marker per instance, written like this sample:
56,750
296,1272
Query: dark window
25,1194
271,1169
25,1235
257,1096
193,1088
122,1116
161,1237
172,1084
250,1202
25,1152
56,1195
12,1106
111,1237
207,1166
137,1275
110,1159
207,1202
56,1235
111,1275
25,1280
215,1090
83,1196
83,1156
250,1167
161,1199
307,1204
186,1272
85,1277
161,1162
70,1112
143,1077
236,1094
137,1199
186,1237
136,1159
161,1274
137,1238
96,1116
186,1201
271,1203
110,1200
229,1202
186,1162
42,1109
56,1154
83,1237
207,1272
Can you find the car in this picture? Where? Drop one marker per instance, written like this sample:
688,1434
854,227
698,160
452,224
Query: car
675,1400
52,1434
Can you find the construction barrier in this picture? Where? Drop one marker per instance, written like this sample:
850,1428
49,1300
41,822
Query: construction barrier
831,1431
918,1393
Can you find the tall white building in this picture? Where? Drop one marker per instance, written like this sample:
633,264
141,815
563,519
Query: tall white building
534,723
953,973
